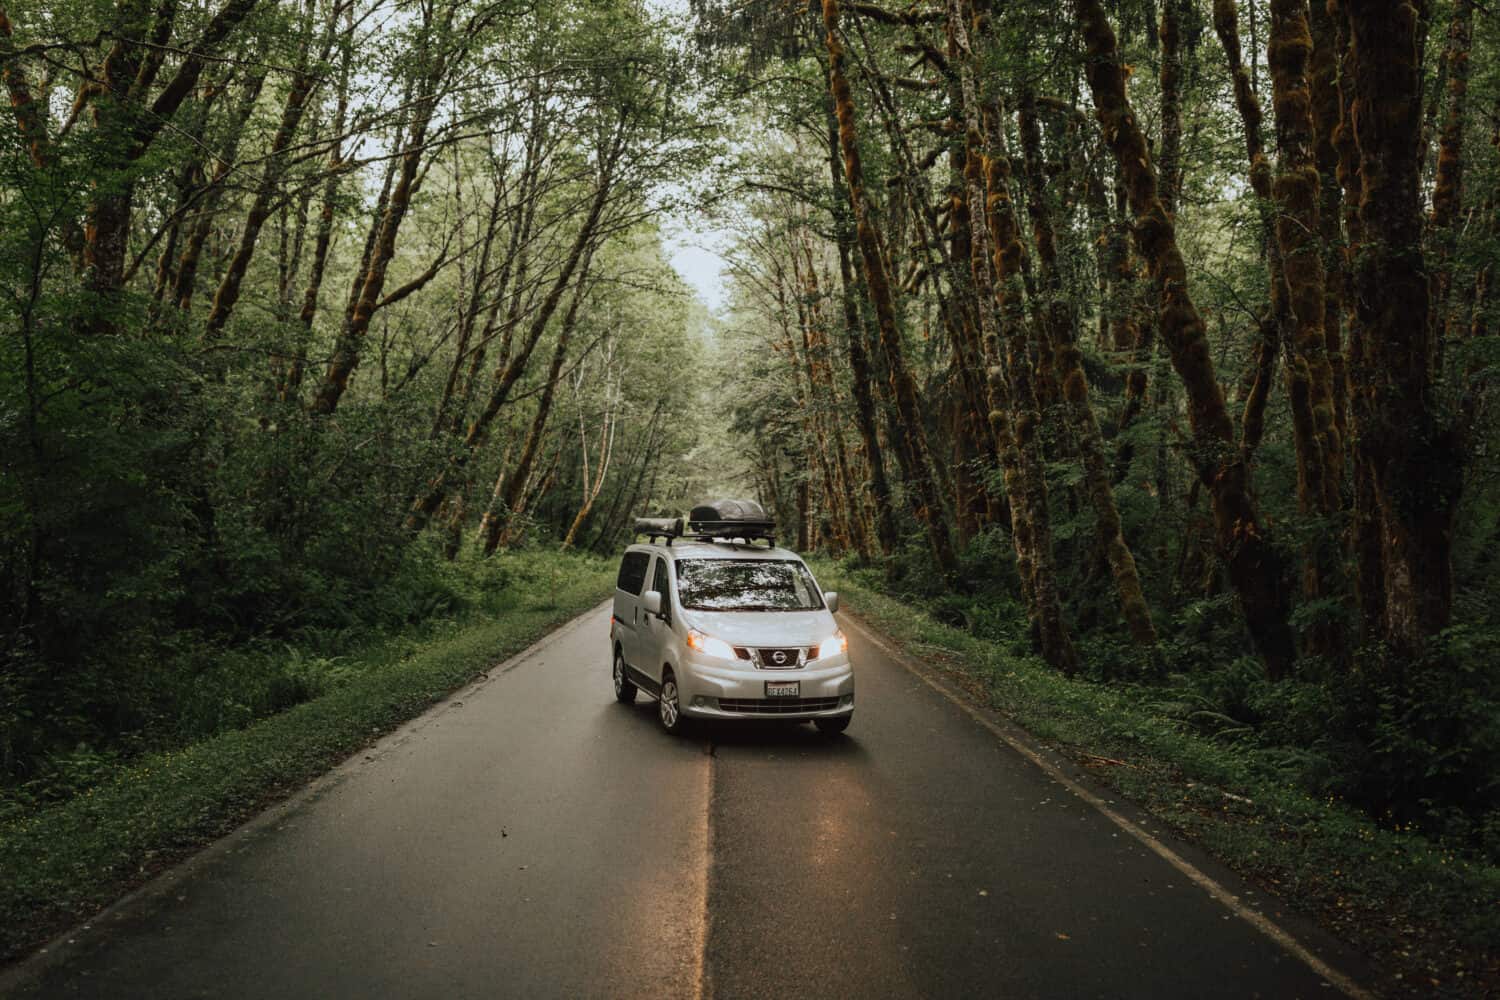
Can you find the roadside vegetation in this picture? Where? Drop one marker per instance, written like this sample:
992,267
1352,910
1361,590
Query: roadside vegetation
1419,904
263,723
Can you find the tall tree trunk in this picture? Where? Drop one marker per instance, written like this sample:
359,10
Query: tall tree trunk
291,385
1323,71
1447,188
1075,387
1255,567
184,286
1143,344
493,527
260,208
1365,529
861,376
1255,391
903,386
982,281
1009,255
1298,237
608,426
1412,456
849,493
350,343
805,372
129,128
1170,160
510,369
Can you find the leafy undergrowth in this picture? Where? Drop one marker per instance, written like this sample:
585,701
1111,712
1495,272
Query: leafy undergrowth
62,862
1427,915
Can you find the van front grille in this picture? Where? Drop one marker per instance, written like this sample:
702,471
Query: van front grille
781,658
777,706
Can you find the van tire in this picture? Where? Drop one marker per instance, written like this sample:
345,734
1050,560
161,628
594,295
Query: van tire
624,688
668,708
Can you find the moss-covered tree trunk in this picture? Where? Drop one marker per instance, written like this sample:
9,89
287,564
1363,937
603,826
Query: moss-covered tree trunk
511,501
1365,531
840,488
1410,453
929,507
1075,387
1009,257
968,208
1170,160
1309,375
371,282
228,294
1447,187
1322,70
1255,389
861,373
185,283
1256,568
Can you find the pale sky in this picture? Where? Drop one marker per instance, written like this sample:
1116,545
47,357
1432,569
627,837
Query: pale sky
696,255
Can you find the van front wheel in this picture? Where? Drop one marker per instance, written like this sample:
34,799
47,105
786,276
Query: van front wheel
669,711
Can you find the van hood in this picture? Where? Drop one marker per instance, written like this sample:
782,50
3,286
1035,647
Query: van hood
765,628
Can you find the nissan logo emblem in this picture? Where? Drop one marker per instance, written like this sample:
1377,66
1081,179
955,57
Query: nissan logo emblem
779,656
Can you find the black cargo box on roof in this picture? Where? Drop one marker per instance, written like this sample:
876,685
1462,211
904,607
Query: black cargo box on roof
731,519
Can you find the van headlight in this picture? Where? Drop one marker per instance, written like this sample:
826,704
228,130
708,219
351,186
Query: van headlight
709,645
834,644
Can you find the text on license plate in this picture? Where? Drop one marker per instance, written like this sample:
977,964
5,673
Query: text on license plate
783,689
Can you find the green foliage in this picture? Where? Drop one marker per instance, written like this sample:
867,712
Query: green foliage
185,547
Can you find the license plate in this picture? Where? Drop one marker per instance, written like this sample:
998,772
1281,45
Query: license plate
783,689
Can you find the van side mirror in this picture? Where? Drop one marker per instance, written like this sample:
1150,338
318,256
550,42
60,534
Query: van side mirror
831,598
651,602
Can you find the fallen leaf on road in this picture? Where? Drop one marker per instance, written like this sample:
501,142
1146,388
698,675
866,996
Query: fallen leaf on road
1063,937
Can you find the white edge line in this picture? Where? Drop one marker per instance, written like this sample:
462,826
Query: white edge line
1251,916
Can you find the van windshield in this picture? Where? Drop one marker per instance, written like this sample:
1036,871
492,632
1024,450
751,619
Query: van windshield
746,585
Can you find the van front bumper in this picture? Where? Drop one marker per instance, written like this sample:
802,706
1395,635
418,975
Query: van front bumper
728,691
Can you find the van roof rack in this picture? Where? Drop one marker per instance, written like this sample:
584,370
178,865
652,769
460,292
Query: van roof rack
718,520
665,528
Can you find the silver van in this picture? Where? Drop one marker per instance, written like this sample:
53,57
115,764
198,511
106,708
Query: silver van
715,622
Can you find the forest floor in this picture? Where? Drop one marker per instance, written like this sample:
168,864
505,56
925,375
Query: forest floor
1426,914
62,863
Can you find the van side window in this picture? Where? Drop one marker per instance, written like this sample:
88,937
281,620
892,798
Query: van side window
663,585
633,572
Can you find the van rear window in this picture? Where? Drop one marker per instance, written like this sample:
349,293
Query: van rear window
633,572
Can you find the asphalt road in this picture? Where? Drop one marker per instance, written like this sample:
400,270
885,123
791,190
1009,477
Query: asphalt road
533,838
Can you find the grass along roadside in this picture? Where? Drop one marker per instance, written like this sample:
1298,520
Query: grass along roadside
64,862
1428,917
